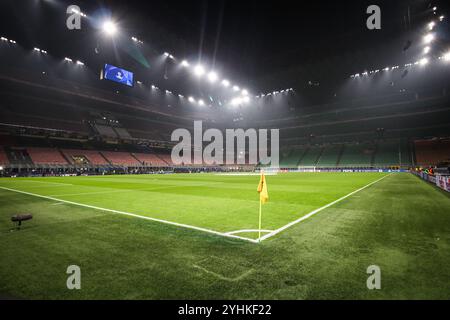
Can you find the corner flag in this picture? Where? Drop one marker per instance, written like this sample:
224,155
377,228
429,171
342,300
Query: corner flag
262,189
263,198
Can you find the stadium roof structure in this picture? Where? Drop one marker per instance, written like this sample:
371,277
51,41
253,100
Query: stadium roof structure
226,53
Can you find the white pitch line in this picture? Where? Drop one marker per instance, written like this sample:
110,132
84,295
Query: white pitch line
134,215
248,230
290,224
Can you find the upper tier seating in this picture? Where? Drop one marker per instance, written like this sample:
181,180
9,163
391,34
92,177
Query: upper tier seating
46,156
121,158
431,152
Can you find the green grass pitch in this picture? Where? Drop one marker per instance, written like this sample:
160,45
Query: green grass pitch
399,223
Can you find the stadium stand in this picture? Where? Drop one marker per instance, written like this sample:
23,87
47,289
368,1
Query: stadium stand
105,131
387,153
149,159
121,158
292,157
94,157
311,156
46,156
330,156
166,158
3,157
358,154
432,152
122,133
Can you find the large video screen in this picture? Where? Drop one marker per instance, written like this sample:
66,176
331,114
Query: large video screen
119,75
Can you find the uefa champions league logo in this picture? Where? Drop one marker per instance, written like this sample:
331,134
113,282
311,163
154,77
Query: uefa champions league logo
192,152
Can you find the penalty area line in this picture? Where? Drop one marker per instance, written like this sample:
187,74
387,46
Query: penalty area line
290,224
187,226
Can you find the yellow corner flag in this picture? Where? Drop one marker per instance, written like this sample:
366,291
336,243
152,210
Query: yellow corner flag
262,189
263,198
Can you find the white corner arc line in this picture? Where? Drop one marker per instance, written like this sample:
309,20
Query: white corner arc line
290,224
134,215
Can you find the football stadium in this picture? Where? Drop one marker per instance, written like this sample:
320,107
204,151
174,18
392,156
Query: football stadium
224,150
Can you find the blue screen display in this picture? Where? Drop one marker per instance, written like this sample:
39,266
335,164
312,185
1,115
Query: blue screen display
119,75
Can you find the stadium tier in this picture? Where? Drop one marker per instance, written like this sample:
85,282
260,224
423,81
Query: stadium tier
432,152
357,154
3,157
92,157
150,159
120,158
329,156
46,156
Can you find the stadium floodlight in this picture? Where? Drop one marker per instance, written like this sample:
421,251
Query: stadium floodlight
431,25
225,82
244,92
190,99
426,49
184,63
168,55
201,102
138,82
428,38
37,49
109,28
12,41
235,88
137,40
236,101
4,39
180,96
80,63
434,8
423,61
246,99
212,76
199,70
168,92
441,18
67,59
446,56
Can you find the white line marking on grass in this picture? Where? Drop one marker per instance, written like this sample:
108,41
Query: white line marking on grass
248,230
134,215
290,224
